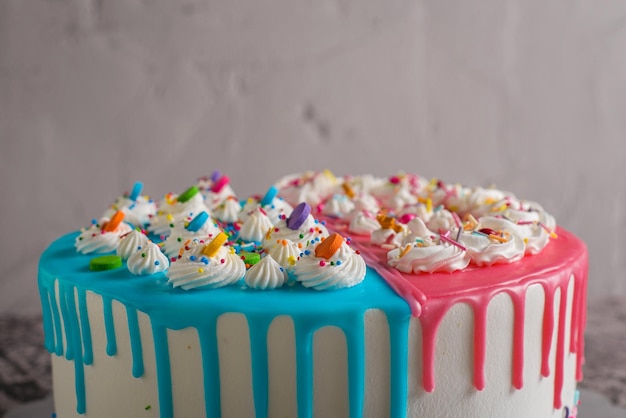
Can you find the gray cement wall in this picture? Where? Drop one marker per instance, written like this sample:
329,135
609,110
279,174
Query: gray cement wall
527,95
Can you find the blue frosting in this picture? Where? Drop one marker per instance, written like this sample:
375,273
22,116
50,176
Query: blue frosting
175,309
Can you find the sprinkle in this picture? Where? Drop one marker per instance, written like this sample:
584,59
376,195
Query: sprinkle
348,190
192,258
134,194
329,246
322,263
113,222
200,270
220,184
405,251
453,242
213,247
157,262
338,262
222,261
188,194
143,255
269,196
498,238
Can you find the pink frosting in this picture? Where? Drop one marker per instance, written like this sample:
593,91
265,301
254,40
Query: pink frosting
430,296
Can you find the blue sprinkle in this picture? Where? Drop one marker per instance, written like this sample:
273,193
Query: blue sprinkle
138,247
307,252
281,269
156,263
316,221
204,260
94,221
136,190
192,257
338,262
131,207
269,196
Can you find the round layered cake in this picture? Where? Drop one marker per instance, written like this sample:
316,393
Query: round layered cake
327,296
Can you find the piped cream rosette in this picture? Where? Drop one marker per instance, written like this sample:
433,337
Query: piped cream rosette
330,265
103,236
206,266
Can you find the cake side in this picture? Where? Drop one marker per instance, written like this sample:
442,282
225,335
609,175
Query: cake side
373,380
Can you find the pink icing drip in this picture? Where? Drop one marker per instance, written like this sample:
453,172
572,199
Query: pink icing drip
548,329
430,296
519,310
480,343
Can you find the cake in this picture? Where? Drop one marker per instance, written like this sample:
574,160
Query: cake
366,297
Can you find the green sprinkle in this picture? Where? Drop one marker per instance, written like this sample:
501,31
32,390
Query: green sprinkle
188,194
105,262
148,407
250,258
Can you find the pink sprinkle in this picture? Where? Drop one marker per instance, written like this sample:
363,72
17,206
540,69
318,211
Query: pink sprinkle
407,217
394,180
222,261
322,263
457,220
453,242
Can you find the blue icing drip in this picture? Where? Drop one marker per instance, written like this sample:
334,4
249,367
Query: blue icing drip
164,374
58,333
86,328
398,343
69,329
176,309
109,326
70,319
135,341
355,342
259,327
207,335
304,370
47,319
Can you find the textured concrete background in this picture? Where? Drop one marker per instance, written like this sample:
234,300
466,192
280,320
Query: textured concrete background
95,94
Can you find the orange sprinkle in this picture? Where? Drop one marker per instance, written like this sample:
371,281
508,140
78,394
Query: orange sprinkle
405,250
349,191
329,246
113,222
498,238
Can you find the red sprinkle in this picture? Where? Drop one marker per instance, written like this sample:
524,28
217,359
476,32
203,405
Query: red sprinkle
322,263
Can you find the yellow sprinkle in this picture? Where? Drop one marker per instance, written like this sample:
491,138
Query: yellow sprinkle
453,208
200,270
213,247
553,234
292,260
405,251
329,174
429,205
169,217
501,208
490,201
525,240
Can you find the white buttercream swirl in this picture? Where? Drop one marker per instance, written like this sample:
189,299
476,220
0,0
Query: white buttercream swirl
192,272
274,210
180,235
344,269
228,211
286,253
363,224
136,212
486,251
95,240
444,257
131,242
338,206
266,274
255,227
171,212
148,260
310,230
